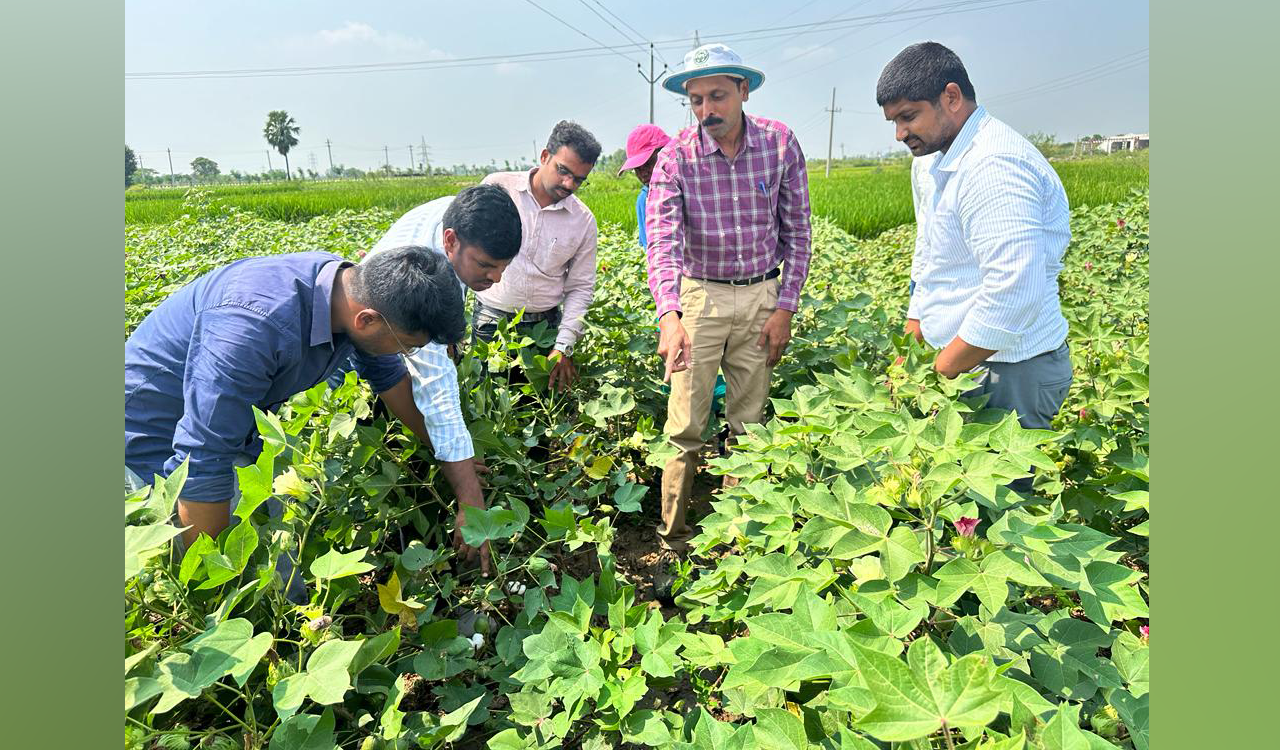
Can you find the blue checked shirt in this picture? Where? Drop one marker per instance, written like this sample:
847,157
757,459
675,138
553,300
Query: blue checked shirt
435,377
992,225
252,333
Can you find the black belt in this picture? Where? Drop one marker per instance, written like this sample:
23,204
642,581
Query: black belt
528,317
744,282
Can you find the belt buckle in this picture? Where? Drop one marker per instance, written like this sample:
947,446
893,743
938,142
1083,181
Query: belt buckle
739,282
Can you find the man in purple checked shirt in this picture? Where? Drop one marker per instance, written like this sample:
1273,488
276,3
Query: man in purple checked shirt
727,220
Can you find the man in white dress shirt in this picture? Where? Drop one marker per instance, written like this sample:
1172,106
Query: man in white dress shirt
554,277
992,226
478,230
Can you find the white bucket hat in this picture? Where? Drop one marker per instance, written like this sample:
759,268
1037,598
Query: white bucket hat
712,60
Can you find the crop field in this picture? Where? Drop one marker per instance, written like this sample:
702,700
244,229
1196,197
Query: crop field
869,583
863,201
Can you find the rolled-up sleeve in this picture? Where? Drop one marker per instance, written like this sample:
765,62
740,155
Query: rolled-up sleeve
382,372
795,232
1003,225
579,288
435,391
233,353
664,227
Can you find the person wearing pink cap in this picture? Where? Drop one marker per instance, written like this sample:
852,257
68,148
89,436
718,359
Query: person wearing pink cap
643,145
729,242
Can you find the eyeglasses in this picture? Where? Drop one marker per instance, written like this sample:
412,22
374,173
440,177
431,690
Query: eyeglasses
564,171
407,351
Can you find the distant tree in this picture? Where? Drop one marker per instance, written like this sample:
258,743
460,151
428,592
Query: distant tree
130,165
204,168
611,162
1046,142
282,133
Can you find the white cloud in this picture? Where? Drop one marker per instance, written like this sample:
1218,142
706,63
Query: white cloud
511,69
355,35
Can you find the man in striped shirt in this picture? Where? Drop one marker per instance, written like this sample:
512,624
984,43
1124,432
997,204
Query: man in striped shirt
727,221
992,226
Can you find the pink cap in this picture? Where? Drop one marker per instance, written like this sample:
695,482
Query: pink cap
641,143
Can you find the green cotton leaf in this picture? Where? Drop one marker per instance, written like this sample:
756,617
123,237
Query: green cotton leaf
1135,712
1111,594
270,428
627,497
781,729
255,481
139,690
1132,658
451,727
989,580
392,718
416,556
326,679
1063,731
646,728
141,543
132,662
1066,662
335,564
919,697
305,732
484,524
235,638
193,559
230,647
901,552
240,544
612,402
509,739
375,649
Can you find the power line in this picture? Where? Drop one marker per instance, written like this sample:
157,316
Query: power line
638,45
638,33
1141,55
1058,86
961,6
580,31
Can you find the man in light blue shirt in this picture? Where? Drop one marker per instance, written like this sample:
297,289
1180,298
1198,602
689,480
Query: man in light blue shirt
992,224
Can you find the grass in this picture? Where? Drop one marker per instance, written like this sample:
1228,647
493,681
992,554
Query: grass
863,201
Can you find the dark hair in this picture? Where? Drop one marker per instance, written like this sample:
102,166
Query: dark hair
576,137
415,289
485,216
920,73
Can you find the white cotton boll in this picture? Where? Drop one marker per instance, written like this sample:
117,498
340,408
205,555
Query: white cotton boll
477,641
515,588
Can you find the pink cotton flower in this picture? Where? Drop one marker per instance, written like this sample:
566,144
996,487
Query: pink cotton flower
1145,630
1088,266
1120,223
966,526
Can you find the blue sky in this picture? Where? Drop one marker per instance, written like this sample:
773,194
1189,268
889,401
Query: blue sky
1014,53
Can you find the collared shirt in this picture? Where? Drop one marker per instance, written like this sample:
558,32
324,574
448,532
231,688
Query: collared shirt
252,333
993,225
557,260
435,378
641,200
712,217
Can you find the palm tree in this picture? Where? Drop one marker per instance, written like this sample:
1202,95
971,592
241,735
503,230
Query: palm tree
282,134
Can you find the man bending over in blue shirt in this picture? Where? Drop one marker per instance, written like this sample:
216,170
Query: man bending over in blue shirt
258,331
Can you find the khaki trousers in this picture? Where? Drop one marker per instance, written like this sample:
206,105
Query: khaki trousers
723,323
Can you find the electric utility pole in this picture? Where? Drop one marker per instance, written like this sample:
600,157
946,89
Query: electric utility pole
650,79
171,178
832,129
329,146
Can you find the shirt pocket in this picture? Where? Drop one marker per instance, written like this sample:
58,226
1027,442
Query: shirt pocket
553,256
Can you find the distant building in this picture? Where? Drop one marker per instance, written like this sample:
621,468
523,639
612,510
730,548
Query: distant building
1114,143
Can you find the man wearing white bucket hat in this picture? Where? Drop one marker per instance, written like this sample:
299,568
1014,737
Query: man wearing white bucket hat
727,220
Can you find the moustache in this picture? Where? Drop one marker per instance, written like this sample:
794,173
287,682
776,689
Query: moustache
712,120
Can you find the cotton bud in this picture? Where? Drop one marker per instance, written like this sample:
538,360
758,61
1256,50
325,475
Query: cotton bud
320,623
